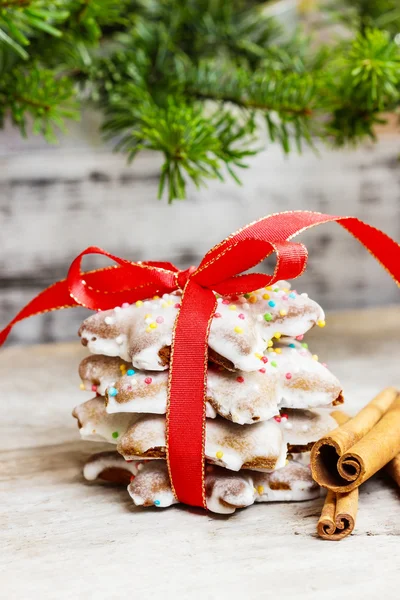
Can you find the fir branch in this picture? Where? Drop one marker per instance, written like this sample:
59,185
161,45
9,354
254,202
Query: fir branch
20,19
193,79
366,84
34,96
194,145
259,92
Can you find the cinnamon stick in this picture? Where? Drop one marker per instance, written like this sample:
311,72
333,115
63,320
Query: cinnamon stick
356,450
338,516
392,468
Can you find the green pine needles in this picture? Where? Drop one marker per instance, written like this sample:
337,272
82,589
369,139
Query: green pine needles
204,82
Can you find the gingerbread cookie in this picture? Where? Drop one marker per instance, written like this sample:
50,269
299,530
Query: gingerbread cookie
262,446
289,377
141,333
225,491
259,446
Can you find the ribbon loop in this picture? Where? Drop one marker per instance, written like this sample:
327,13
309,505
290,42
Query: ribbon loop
125,282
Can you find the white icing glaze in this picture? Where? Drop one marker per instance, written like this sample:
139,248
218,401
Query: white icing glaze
240,329
295,475
226,491
299,315
306,425
98,463
143,392
145,327
99,372
139,393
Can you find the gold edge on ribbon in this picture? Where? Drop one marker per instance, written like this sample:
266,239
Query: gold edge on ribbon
169,398
138,287
205,366
397,282
338,220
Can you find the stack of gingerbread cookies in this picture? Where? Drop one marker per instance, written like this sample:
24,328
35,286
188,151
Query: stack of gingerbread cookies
267,401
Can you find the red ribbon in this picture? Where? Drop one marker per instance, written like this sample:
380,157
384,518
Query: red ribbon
220,271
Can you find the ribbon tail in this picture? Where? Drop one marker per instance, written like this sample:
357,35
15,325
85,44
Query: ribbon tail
222,266
54,297
385,250
186,409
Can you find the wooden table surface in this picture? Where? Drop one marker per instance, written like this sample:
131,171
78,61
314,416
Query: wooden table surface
63,538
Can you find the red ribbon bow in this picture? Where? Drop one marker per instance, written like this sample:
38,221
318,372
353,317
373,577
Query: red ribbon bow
220,271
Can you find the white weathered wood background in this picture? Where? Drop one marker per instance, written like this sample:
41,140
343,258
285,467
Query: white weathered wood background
55,201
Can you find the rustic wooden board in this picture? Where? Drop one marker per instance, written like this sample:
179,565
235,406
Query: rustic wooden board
63,538
55,202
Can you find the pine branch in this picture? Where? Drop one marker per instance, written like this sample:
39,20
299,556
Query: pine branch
197,80
34,96
273,91
367,84
20,19
194,145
